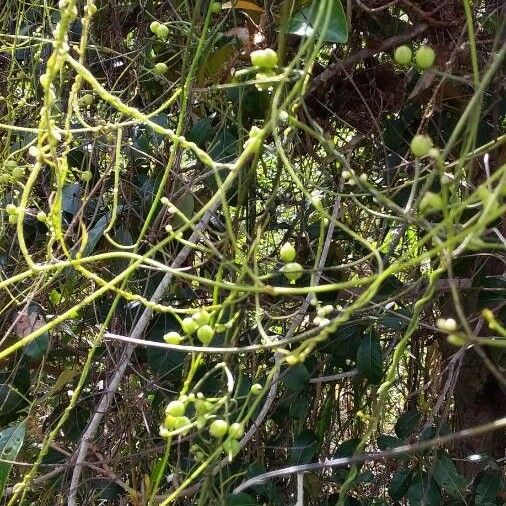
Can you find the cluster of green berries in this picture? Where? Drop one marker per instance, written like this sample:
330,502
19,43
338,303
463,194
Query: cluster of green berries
176,421
424,56
292,270
266,61
12,171
199,322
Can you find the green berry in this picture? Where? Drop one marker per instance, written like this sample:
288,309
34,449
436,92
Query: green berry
421,145
169,422
216,7
18,172
175,408
236,430
292,359
86,176
10,164
431,202
13,219
264,58
11,209
456,340
87,100
162,32
92,9
202,407
188,325
41,216
202,317
172,338
181,421
231,447
154,27
256,389
287,253
160,69
205,334
403,55
218,428
425,57
292,271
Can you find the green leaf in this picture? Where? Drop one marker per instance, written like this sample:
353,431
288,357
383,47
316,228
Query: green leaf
347,448
369,359
304,448
11,440
487,487
399,484
304,23
447,477
38,346
423,491
95,234
164,364
407,423
385,442
296,378
241,499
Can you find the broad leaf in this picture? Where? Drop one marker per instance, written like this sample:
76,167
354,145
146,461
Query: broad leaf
304,448
407,423
304,22
447,477
11,440
423,491
369,359
399,484
487,487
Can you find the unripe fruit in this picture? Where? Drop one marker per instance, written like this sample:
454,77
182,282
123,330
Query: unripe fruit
162,32
456,340
403,55
18,172
216,7
236,430
292,359
218,428
292,271
231,447
446,324
421,145
169,422
203,407
264,58
175,408
256,389
92,9
202,317
10,164
86,176
41,216
188,325
287,253
425,57
13,219
205,334
160,69
87,100
154,26
181,421
431,202
172,338
11,209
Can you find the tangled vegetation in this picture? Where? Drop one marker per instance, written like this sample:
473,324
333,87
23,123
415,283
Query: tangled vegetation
252,252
